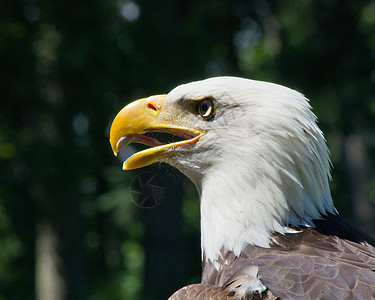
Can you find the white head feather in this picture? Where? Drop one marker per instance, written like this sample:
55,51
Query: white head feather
262,164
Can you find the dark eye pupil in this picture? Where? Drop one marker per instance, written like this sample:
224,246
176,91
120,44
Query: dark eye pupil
206,108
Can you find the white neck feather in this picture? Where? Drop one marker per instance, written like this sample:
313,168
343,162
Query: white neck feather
235,213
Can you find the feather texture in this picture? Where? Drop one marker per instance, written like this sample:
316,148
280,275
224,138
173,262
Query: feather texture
332,261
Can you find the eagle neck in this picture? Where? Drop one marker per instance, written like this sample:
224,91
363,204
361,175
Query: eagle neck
247,207
234,215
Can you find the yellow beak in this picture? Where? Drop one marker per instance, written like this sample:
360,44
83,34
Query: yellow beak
144,116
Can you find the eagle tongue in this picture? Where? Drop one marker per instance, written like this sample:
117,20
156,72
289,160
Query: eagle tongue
144,139
136,138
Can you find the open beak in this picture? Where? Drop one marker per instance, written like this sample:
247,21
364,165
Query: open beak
143,116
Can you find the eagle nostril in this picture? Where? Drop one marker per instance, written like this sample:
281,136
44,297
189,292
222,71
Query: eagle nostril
152,109
151,106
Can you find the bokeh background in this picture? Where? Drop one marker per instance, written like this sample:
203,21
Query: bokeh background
70,224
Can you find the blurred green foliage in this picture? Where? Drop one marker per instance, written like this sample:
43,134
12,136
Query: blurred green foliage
67,67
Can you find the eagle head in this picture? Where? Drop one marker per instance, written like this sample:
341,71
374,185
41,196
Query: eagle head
253,149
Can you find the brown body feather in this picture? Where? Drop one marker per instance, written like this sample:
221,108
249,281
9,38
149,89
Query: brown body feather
334,260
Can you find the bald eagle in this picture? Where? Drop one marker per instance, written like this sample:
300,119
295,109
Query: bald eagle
269,229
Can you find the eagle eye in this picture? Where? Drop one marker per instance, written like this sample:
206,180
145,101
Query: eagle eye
206,108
